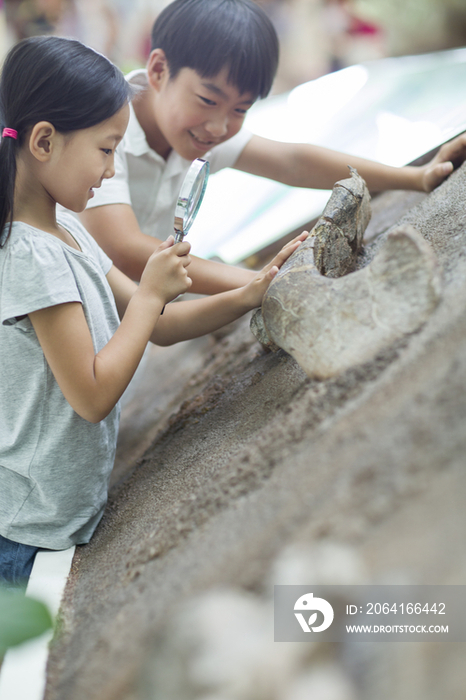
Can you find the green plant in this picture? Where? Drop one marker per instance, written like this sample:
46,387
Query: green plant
21,619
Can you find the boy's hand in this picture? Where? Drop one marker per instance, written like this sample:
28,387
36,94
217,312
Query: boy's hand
449,157
165,274
255,290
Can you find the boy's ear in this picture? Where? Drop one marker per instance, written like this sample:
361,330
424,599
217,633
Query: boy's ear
157,68
41,140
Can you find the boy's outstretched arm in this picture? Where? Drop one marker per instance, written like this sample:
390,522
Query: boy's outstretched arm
190,319
116,230
305,165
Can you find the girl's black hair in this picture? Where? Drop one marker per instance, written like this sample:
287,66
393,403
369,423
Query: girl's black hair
58,80
208,35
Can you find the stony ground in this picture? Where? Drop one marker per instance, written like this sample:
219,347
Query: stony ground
235,471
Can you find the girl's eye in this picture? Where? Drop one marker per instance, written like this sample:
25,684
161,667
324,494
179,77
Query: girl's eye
107,151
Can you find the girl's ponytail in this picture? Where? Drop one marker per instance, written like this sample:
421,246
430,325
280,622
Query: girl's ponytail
7,182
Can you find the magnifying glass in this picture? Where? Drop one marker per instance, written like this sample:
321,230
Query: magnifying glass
190,197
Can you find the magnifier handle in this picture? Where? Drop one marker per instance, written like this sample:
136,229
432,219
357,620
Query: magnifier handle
179,236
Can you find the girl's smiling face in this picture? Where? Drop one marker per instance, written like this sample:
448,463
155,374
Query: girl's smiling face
81,160
194,114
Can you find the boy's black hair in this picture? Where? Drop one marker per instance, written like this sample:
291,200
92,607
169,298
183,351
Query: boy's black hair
58,80
208,35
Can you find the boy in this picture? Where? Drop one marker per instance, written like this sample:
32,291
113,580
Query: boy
210,61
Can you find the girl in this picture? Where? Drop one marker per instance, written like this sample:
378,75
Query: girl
66,358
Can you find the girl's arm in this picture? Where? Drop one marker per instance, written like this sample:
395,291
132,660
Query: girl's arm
191,319
116,230
93,383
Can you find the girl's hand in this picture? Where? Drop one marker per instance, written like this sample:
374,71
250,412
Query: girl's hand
449,157
255,290
165,274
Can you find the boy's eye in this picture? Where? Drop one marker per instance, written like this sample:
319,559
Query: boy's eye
207,101
107,151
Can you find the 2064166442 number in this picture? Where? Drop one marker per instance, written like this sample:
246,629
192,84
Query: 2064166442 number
405,608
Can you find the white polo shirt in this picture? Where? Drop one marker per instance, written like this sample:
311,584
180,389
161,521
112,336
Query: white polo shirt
151,184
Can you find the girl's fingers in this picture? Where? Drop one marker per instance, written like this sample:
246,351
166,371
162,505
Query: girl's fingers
291,246
301,237
287,250
183,248
166,244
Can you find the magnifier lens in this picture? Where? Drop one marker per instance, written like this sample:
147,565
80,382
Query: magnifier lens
194,199
190,197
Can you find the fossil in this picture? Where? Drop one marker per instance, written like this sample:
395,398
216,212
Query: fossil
339,231
330,322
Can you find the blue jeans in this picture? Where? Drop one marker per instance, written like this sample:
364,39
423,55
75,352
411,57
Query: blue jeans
16,562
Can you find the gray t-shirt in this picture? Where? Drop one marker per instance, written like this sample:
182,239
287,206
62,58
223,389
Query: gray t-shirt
54,465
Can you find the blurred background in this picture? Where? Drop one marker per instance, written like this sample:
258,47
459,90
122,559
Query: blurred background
317,36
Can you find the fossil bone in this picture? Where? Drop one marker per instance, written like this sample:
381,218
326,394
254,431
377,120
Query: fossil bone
330,322
340,230
329,325
337,239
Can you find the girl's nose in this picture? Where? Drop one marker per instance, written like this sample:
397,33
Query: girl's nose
109,170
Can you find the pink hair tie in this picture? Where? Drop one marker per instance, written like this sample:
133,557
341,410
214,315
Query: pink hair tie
12,133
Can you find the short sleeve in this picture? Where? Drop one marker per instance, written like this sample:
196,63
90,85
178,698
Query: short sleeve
116,189
36,275
226,154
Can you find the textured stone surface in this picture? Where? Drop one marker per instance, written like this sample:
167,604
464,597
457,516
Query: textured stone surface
339,232
220,646
334,244
329,325
330,320
259,330
252,466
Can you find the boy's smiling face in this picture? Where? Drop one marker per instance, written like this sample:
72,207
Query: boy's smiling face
193,114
